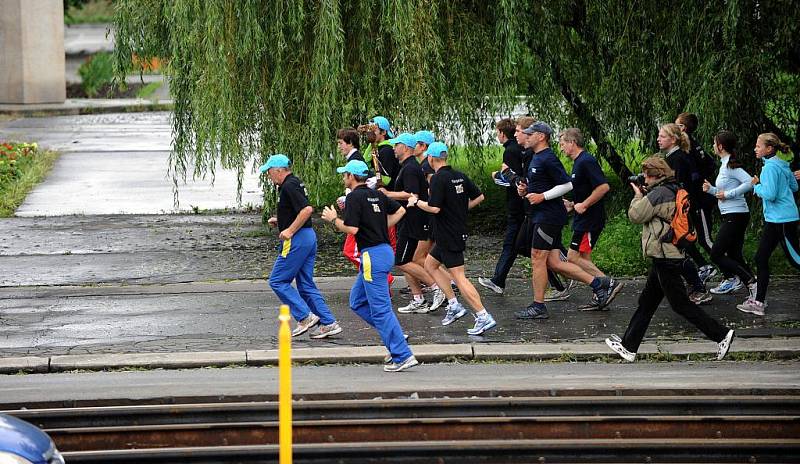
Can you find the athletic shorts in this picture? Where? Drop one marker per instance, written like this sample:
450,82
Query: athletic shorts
583,241
406,247
450,259
546,237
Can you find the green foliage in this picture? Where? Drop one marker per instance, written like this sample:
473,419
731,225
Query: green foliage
96,72
88,11
254,78
22,165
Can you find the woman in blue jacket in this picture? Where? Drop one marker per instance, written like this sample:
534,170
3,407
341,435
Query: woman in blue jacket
730,187
776,187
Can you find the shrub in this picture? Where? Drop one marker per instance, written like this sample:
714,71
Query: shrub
96,72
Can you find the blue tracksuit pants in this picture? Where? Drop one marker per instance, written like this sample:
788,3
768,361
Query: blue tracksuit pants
369,298
296,262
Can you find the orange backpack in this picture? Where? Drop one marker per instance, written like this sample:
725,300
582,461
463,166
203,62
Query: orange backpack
681,231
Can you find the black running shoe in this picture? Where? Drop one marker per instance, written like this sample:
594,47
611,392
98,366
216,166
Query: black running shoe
531,312
608,291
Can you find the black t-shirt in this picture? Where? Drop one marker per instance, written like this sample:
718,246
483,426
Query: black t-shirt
451,191
292,199
545,171
367,210
587,175
512,157
410,179
388,163
356,156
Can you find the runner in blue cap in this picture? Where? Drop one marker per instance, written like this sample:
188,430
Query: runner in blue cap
368,215
298,251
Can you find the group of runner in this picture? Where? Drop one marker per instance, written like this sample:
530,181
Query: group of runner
405,206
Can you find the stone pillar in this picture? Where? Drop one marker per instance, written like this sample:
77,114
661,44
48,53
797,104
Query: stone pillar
32,51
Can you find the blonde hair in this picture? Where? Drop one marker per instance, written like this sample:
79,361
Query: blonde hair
772,140
673,130
525,121
656,166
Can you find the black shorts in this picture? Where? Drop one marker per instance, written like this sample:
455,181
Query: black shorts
584,241
450,259
546,237
406,247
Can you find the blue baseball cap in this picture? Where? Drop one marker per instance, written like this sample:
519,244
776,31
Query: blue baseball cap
355,167
405,138
538,127
275,161
383,123
425,137
436,149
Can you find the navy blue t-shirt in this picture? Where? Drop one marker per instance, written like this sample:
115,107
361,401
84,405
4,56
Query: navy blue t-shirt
545,171
587,176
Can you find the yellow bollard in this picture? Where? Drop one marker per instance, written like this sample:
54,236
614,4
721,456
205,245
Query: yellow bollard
285,387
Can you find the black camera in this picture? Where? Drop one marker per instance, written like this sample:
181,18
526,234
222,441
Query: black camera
637,180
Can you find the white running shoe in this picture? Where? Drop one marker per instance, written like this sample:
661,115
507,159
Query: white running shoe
438,299
305,324
615,344
414,307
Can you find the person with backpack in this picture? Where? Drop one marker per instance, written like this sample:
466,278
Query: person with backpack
702,203
660,206
730,187
776,187
674,144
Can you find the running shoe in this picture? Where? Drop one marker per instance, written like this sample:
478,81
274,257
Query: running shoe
305,324
490,285
397,367
454,313
414,307
699,298
615,344
728,286
438,299
706,272
608,291
724,345
326,330
752,306
556,295
532,312
482,324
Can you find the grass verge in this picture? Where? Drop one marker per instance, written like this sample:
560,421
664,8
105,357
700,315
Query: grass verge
22,166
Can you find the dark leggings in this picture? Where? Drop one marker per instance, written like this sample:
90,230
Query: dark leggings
702,219
774,234
727,250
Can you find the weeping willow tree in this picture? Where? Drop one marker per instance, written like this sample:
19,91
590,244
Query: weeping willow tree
250,78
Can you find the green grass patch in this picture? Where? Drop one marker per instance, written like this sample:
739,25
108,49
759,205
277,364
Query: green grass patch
148,90
22,166
92,12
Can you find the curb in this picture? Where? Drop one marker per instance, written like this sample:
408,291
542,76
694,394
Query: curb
68,109
766,348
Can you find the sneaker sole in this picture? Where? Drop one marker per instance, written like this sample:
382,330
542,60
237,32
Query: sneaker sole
591,307
749,311
530,318
484,329
402,367
611,346
730,343
328,334
495,289
558,298
435,307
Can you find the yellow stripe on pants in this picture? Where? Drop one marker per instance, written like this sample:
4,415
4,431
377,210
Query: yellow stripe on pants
366,265
287,245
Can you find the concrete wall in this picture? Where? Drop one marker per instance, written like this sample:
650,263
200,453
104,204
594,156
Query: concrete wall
32,51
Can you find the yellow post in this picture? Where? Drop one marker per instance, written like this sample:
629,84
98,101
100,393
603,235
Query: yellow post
285,387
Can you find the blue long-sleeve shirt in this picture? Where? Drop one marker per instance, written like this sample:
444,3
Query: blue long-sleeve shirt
776,190
735,183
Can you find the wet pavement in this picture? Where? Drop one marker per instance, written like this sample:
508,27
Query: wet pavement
118,164
109,283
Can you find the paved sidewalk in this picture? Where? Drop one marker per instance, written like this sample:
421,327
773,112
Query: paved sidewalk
428,380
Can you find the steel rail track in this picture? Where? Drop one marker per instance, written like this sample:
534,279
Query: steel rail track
468,452
108,416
